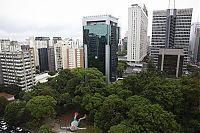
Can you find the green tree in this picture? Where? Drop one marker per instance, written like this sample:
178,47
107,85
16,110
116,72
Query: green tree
150,65
44,129
193,70
118,89
190,116
59,82
149,118
168,94
92,103
112,112
15,112
121,66
91,81
3,103
123,127
42,107
41,90
63,103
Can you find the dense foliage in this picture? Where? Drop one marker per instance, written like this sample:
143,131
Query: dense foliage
3,103
146,102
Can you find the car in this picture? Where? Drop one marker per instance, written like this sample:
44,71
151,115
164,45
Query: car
12,131
24,131
3,128
2,122
18,129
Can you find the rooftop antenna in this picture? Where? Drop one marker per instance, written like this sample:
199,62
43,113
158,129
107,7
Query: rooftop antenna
169,5
174,4
198,17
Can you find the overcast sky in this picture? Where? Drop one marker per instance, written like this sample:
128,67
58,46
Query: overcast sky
20,19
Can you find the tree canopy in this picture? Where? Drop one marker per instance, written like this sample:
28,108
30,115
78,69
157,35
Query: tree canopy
42,107
147,102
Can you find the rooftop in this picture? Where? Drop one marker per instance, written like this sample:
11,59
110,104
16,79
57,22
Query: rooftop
99,16
6,95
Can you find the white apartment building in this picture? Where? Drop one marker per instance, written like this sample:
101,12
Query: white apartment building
68,55
7,45
137,33
18,67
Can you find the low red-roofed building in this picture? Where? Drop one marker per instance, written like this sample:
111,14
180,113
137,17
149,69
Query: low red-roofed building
9,97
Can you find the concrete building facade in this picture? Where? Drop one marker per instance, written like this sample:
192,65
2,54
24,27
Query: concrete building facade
68,56
171,30
170,61
137,33
18,67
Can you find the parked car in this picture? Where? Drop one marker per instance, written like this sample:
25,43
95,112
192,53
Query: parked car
2,122
24,131
4,127
18,129
12,131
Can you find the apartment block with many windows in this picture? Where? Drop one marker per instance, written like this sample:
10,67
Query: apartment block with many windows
18,67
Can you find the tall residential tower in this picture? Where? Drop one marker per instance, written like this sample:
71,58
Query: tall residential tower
137,33
17,66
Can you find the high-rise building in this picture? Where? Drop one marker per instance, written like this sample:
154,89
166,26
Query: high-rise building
100,40
195,43
51,58
43,59
18,67
66,56
56,39
171,30
43,49
7,45
137,33
40,43
4,45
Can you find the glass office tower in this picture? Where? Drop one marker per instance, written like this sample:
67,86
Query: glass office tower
100,39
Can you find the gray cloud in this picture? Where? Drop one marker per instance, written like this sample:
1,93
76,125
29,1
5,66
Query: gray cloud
20,19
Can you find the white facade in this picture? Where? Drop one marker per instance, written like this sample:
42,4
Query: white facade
7,45
137,34
68,55
94,19
18,68
37,43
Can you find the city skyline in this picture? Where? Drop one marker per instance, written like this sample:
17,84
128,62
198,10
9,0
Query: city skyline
24,18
